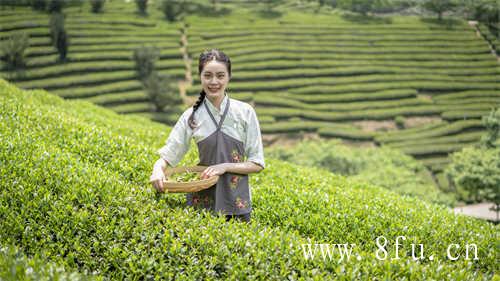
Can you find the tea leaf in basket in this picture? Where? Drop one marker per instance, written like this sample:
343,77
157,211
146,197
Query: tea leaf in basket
185,177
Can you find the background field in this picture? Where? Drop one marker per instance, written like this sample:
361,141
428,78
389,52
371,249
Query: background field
409,83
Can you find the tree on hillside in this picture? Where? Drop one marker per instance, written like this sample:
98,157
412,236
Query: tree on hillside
13,51
145,58
159,87
161,91
357,6
142,6
58,35
272,3
492,123
55,6
487,12
475,171
96,5
172,9
38,5
439,6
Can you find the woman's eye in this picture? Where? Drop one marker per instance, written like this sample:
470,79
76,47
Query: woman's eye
220,76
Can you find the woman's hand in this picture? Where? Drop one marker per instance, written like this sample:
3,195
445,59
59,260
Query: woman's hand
158,176
215,170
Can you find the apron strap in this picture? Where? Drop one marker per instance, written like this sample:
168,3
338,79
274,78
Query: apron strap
222,117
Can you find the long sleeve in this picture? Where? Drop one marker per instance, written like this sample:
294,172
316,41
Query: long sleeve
253,142
178,141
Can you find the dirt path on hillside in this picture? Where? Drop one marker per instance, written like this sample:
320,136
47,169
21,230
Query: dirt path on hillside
188,78
473,24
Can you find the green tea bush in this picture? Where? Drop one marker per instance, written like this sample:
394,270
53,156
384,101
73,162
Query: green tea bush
74,190
14,265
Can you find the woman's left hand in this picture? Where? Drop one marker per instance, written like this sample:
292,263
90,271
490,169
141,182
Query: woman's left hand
215,170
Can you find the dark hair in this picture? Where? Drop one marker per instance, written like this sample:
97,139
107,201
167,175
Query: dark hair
206,57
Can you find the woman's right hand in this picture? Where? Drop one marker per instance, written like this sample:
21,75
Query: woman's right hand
158,175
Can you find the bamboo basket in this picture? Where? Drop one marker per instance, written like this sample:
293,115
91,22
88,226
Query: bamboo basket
192,186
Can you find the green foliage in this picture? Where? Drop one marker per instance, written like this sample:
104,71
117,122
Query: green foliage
492,123
159,87
172,9
14,265
142,6
439,6
475,170
484,11
400,121
13,51
73,190
56,6
38,5
384,167
96,6
145,58
476,174
162,92
58,35
357,6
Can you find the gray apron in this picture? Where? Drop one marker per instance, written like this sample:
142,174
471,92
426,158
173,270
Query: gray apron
231,194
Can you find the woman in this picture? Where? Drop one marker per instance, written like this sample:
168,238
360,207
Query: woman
229,142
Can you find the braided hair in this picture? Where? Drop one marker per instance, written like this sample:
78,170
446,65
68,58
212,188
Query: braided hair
206,57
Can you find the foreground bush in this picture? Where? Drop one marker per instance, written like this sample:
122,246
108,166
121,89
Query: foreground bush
73,189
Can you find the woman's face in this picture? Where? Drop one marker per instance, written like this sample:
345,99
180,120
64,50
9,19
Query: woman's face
214,79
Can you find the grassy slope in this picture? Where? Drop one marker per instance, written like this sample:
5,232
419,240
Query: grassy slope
74,189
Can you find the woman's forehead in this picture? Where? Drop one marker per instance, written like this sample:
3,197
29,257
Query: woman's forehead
214,66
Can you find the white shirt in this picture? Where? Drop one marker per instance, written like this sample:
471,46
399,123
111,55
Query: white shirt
240,123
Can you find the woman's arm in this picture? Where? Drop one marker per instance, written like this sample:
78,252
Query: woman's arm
237,168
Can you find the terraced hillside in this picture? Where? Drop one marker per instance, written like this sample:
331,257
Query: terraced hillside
100,67
75,203
403,82
342,78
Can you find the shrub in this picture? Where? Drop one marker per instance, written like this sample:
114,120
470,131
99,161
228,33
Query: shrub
39,5
476,174
96,6
475,170
15,265
145,58
172,9
357,6
142,6
55,6
13,51
384,167
492,123
58,35
400,121
161,92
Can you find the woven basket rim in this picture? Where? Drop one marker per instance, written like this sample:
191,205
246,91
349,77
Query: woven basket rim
192,186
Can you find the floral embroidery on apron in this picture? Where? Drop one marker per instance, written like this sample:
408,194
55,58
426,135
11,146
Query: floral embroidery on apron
231,194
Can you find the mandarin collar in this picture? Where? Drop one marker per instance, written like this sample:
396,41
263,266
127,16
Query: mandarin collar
222,105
